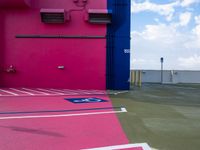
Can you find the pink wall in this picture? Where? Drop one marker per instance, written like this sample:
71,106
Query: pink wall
14,3
36,60
2,43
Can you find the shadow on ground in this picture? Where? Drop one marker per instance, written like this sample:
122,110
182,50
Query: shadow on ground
167,117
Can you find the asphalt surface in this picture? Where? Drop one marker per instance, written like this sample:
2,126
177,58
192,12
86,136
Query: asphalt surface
167,117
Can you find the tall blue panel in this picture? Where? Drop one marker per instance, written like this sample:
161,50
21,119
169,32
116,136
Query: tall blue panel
118,45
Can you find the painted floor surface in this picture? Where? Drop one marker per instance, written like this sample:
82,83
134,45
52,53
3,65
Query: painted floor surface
55,127
46,92
167,117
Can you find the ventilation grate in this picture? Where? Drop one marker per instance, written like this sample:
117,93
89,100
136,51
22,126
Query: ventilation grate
99,16
53,15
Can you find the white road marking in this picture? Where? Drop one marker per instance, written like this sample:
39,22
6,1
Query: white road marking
62,115
9,92
92,92
7,95
52,91
84,91
35,91
116,93
99,91
45,90
87,92
22,91
124,109
23,95
73,91
145,146
64,92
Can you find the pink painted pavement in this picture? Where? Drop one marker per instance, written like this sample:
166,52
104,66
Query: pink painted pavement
75,132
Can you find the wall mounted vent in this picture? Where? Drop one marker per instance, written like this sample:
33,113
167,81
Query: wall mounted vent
54,16
99,16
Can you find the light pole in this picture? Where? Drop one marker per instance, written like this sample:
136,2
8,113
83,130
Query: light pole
161,71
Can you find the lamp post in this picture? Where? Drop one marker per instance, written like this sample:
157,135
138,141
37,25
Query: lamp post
161,71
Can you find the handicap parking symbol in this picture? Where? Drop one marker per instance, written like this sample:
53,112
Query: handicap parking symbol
85,100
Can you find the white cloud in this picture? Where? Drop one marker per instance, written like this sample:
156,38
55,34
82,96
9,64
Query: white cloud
196,31
185,18
192,62
186,3
194,41
166,10
179,46
166,41
139,60
159,32
138,63
197,19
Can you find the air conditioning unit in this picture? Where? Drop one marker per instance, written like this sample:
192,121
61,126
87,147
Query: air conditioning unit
99,16
54,16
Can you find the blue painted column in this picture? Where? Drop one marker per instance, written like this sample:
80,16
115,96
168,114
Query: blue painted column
118,45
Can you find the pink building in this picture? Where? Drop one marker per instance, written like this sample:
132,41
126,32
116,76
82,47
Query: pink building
75,44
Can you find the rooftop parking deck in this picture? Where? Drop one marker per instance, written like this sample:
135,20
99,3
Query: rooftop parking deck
167,117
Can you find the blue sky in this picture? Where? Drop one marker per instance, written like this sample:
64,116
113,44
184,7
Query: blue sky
165,28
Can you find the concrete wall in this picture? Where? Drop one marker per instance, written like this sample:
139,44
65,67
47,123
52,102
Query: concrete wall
171,76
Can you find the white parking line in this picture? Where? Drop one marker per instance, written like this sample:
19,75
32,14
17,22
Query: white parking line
35,91
73,91
22,91
99,91
84,91
65,92
91,91
123,110
144,146
49,92
9,92
69,90
45,90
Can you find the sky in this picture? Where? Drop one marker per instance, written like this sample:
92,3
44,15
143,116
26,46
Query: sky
168,29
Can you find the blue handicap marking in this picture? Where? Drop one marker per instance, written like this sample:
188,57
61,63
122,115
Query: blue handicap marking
85,100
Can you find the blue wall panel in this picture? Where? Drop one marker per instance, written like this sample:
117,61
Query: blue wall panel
118,45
